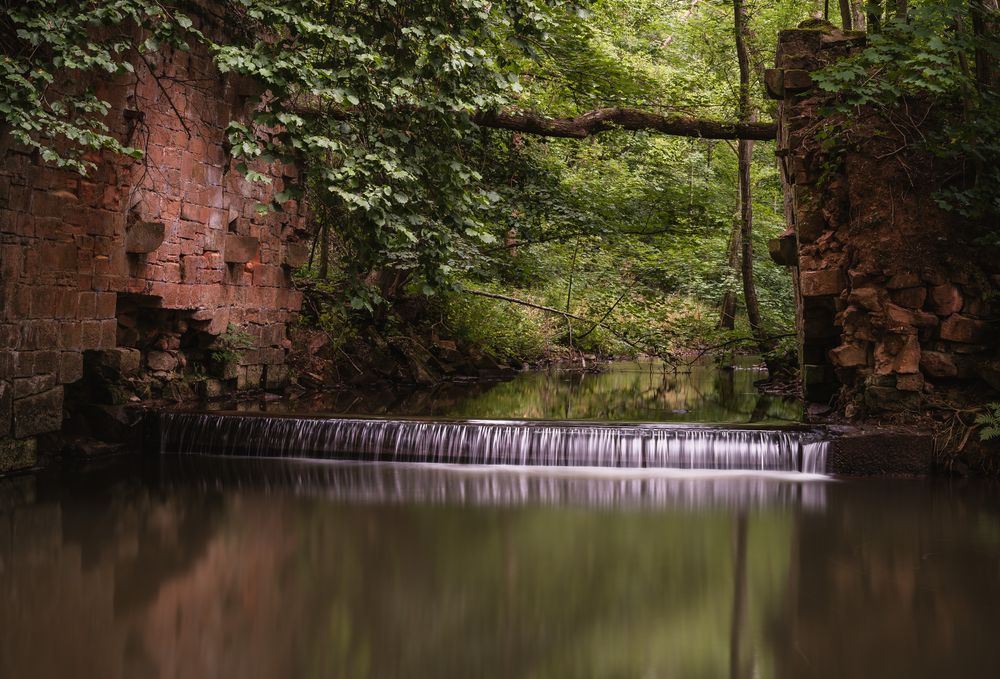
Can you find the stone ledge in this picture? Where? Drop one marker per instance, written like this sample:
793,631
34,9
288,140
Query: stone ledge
879,452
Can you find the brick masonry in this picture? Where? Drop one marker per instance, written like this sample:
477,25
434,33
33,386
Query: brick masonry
893,302
176,236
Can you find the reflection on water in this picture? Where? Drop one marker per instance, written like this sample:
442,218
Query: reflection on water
626,391
197,567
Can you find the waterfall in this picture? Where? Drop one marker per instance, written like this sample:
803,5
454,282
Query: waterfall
489,442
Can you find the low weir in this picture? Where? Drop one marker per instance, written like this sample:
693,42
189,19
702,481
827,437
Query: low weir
496,442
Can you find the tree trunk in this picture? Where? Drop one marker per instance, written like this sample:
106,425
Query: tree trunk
902,9
746,243
858,12
745,156
324,250
845,14
727,317
874,16
983,28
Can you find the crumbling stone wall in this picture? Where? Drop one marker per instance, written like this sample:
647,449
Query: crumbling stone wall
893,293
140,267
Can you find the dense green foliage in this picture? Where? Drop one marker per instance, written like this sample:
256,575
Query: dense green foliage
376,100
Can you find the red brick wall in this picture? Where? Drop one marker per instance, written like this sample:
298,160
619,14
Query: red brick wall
63,262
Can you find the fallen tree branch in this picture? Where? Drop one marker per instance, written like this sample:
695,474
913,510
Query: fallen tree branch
663,355
604,119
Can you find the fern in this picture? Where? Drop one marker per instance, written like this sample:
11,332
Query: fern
990,421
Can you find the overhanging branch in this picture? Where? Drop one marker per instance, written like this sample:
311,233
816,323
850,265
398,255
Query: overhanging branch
604,119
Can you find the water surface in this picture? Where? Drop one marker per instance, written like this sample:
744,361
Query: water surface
624,391
207,567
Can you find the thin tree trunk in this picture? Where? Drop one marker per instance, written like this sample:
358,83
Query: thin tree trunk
874,16
858,12
569,294
745,156
746,242
324,251
845,14
983,28
727,318
902,9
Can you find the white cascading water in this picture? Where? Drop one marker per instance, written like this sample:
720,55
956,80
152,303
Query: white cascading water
360,483
486,442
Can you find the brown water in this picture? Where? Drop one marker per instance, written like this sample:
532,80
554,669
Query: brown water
193,567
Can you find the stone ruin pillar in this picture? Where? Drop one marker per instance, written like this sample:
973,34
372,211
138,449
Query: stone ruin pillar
893,294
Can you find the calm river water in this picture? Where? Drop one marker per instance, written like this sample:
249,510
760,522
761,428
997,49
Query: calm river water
189,567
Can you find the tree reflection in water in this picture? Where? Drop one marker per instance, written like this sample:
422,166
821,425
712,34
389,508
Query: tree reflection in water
186,571
625,391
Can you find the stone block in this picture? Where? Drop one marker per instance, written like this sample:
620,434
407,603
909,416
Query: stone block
945,300
28,386
250,377
958,328
70,366
784,251
869,298
240,249
900,318
796,81
849,356
903,279
897,353
938,364
121,361
774,83
90,335
38,414
911,298
821,283
105,305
